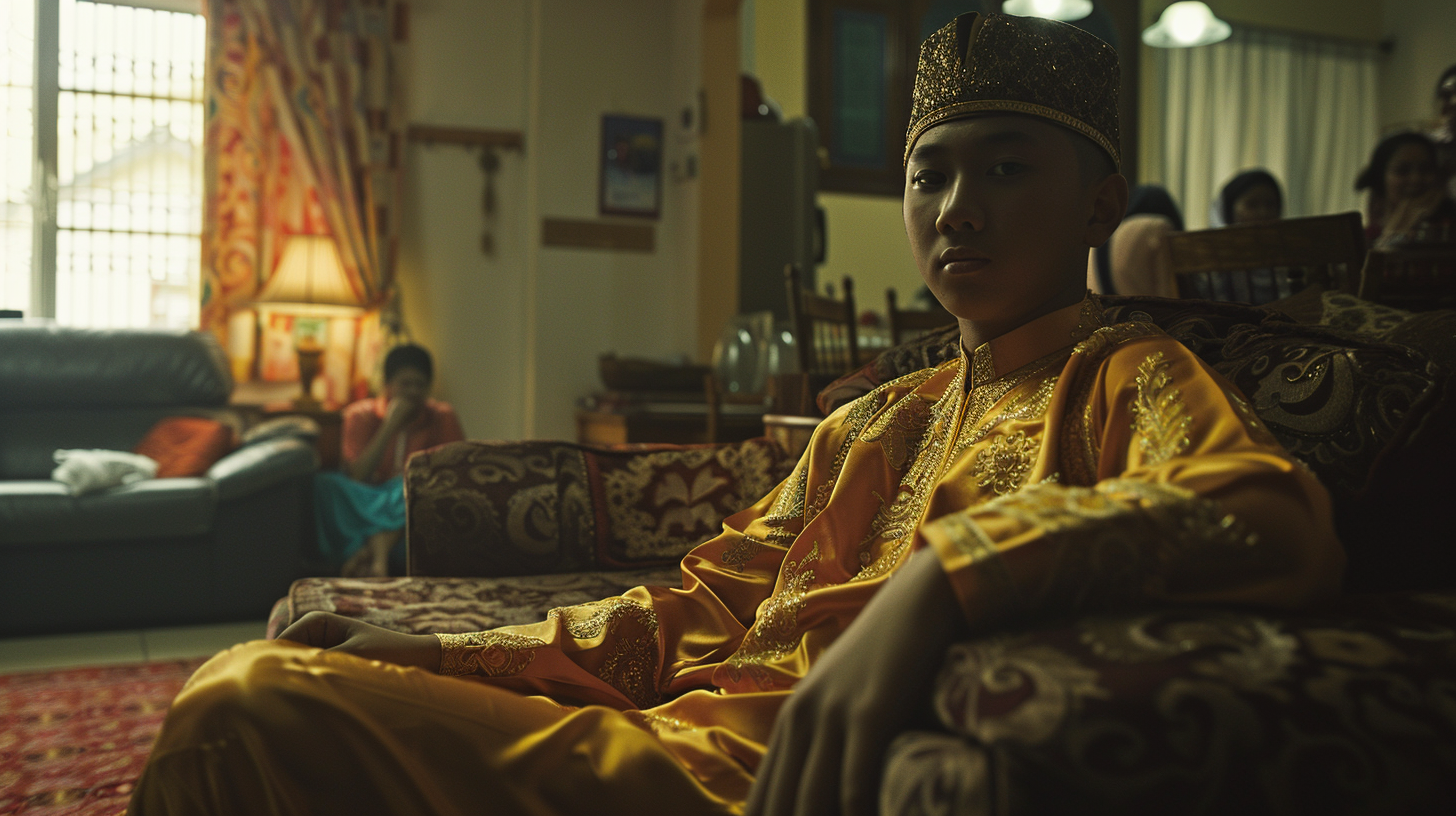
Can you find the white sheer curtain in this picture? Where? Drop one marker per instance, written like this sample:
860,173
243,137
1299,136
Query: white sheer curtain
1302,108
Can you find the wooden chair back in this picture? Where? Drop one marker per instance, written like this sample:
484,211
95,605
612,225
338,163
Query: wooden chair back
825,334
1416,277
904,322
1261,263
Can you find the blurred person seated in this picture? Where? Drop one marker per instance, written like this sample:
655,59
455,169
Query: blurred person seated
360,512
1135,260
1407,203
1250,197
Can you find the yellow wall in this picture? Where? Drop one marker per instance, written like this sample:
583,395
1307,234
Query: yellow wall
517,334
866,233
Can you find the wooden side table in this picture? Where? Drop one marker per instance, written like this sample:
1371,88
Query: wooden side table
259,401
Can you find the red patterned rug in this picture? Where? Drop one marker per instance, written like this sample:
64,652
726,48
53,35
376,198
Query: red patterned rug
74,741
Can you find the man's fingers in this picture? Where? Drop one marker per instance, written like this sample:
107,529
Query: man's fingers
311,630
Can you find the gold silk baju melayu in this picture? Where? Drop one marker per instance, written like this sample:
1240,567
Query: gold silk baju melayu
1059,468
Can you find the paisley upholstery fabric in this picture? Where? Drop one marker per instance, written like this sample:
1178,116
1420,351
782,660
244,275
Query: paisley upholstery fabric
530,508
1348,709
428,605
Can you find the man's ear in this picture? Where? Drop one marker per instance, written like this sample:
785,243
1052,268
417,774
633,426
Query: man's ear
1109,203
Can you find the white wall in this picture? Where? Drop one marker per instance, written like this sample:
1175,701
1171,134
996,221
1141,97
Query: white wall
1424,33
517,334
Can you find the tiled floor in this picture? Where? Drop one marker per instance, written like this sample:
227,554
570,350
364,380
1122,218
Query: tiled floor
132,646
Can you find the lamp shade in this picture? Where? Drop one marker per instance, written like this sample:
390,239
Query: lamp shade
1064,10
310,278
1186,24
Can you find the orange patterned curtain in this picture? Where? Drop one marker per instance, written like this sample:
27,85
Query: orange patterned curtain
304,136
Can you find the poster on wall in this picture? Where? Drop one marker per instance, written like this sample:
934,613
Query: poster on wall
631,157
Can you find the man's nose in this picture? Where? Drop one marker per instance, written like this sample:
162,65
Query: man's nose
961,211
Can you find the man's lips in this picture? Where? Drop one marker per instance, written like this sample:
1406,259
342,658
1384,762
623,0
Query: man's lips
962,260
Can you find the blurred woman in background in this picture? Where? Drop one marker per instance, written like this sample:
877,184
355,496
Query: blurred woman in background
1407,203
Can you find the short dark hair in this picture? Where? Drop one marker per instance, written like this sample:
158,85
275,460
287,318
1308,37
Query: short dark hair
408,355
1373,176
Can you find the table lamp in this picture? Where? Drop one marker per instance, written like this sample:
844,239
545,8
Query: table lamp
309,282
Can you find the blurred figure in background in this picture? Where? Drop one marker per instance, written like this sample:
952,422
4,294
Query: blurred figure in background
360,512
1248,198
1407,202
1135,260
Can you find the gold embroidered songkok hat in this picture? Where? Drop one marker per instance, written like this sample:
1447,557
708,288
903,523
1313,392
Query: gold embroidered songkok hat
999,63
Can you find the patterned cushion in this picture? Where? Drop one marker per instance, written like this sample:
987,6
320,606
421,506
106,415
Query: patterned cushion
425,605
1351,709
526,508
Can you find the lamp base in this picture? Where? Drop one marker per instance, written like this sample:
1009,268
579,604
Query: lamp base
308,370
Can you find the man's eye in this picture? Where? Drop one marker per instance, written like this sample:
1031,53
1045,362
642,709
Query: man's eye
1006,169
927,177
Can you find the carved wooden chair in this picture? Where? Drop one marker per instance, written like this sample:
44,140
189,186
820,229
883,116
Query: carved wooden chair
1262,263
1417,277
825,334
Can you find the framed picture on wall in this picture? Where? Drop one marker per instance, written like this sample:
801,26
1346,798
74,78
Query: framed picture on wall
631,157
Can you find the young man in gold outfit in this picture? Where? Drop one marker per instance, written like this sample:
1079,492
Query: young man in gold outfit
1057,466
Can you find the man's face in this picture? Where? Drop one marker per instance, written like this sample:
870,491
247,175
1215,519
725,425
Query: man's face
998,216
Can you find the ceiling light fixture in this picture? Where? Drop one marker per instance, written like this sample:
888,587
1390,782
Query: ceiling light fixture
1186,24
1064,10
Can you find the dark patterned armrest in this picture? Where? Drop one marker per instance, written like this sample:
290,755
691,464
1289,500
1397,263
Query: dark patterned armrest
1350,709
532,508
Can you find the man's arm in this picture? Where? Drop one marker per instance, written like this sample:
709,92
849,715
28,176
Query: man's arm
1195,504
361,468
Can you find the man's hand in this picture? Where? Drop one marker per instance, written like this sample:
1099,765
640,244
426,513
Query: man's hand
828,745
326,630
399,413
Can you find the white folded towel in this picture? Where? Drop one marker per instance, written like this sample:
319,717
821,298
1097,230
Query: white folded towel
87,471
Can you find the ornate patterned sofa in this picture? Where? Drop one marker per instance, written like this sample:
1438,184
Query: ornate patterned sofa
1349,708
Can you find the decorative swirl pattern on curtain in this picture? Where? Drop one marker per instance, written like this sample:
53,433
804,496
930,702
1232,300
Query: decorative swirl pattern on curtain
304,135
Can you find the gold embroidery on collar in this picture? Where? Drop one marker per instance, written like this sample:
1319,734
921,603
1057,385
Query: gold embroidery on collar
1004,465
493,654
775,627
983,367
1159,418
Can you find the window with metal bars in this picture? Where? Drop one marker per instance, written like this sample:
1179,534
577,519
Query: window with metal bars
101,160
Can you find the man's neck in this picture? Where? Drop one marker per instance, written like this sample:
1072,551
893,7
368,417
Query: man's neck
974,333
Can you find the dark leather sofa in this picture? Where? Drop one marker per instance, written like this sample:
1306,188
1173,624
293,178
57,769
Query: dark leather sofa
217,547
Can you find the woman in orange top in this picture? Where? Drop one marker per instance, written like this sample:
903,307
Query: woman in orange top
360,512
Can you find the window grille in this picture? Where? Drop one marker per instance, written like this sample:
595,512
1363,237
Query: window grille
116,190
